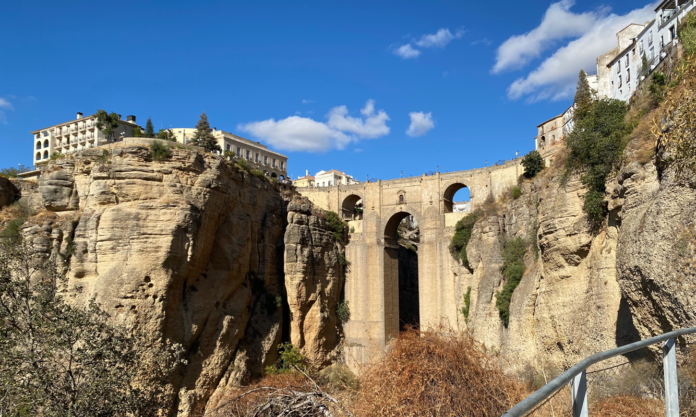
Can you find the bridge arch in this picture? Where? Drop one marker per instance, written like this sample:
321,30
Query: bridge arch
352,207
448,195
401,286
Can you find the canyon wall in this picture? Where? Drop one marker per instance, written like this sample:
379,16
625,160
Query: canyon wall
190,248
584,291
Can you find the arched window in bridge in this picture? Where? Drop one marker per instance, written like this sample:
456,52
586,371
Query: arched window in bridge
401,198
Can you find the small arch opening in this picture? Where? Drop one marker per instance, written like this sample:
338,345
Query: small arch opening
274,175
457,198
542,142
38,155
352,208
45,154
38,145
46,143
401,199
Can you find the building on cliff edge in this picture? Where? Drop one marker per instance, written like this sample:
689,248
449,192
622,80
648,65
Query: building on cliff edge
325,179
258,156
76,135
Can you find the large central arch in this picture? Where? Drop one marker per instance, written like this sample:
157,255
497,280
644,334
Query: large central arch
448,196
401,299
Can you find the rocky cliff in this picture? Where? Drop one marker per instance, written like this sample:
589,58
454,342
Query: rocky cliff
189,247
584,291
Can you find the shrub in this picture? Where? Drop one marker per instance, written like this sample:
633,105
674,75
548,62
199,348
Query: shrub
57,155
243,165
229,155
462,235
259,174
343,260
289,361
336,225
338,377
343,312
159,151
12,230
104,156
657,88
595,208
61,360
436,373
533,163
513,269
136,132
10,172
516,192
467,304
687,33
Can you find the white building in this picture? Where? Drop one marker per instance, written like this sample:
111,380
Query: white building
75,135
462,206
624,71
258,156
333,177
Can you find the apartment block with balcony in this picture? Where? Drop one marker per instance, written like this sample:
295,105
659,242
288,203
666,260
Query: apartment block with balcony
75,135
258,156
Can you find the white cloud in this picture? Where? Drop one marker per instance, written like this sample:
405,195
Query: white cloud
304,134
558,23
406,51
421,123
484,41
305,101
556,77
372,126
5,105
439,39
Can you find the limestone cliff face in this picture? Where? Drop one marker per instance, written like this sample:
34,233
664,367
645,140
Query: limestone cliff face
585,292
189,247
8,192
314,278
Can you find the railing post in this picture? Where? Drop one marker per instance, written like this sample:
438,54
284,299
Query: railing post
579,393
669,362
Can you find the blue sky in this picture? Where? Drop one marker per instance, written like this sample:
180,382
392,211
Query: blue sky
370,88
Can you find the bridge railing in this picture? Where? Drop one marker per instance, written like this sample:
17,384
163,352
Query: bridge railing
575,379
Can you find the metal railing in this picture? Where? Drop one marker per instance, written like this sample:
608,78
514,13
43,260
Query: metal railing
577,377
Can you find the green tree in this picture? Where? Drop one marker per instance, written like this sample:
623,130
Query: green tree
166,134
584,97
107,123
645,66
136,132
533,163
149,129
10,172
204,137
595,145
60,360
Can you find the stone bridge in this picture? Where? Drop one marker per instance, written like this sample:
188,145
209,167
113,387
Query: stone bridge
372,281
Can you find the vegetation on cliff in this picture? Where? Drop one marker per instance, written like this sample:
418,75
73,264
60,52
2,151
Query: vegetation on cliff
336,224
462,235
204,136
533,163
513,268
57,359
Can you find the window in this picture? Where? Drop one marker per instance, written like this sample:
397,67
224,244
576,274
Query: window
239,151
640,48
650,38
401,198
265,160
273,165
37,136
627,61
229,147
620,82
45,154
46,144
256,159
44,133
633,51
618,66
38,145
628,75
282,166
38,155
248,154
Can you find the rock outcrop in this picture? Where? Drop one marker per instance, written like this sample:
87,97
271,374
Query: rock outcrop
314,277
189,248
8,192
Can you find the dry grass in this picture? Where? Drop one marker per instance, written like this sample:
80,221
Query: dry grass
436,374
625,405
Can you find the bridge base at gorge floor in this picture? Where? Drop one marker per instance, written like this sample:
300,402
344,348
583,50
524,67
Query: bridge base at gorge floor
372,280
